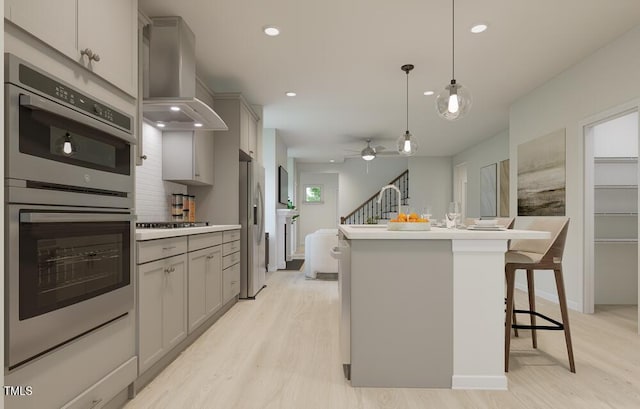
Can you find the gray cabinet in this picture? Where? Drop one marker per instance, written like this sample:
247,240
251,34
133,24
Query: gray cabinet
241,119
187,157
230,265
162,305
205,284
73,27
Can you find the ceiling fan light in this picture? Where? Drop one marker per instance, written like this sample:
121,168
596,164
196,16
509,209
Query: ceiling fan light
368,153
407,145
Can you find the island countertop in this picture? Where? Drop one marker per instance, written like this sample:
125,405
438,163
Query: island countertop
380,232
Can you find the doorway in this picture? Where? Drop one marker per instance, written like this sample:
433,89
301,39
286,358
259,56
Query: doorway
611,209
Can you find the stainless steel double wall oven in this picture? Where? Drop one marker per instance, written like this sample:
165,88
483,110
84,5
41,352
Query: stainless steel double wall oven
68,209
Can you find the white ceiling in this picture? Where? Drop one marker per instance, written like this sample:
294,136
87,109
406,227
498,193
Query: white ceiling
343,58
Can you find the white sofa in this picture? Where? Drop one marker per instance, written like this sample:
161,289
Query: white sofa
317,256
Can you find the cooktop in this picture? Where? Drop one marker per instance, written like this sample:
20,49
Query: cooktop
169,225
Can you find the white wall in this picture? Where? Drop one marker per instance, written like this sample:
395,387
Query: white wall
274,154
492,150
153,195
430,184
602,81
354,183
314,216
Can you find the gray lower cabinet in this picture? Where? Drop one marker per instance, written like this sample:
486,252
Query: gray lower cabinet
230,265
230,282
162,307
205,284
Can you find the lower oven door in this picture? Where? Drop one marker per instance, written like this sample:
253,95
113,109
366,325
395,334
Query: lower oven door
69,273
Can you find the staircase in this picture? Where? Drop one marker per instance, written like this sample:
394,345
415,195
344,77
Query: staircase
371,211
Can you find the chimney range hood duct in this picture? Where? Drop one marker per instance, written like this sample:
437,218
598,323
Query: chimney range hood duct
172,80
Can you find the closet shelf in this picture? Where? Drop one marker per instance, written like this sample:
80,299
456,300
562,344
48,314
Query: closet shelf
616,186
616,214
605,159
616,240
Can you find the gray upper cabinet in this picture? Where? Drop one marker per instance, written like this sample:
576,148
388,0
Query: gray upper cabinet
53,22
187,157
241,120
99,35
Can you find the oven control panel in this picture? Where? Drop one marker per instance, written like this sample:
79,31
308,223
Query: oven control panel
69,95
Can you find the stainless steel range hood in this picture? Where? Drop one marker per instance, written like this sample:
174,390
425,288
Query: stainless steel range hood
171,104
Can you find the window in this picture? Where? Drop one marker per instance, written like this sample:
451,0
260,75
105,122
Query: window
313,194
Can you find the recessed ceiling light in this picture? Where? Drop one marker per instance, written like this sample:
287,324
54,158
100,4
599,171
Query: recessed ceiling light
478,28
291,94
198,125
175,109
160,125
428,93
331,160
271,31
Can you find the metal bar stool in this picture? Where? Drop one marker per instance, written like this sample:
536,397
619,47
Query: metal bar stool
531,255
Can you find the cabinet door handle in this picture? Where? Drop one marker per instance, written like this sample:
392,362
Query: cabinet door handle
210,257
168,248
169,270
90,54
95,403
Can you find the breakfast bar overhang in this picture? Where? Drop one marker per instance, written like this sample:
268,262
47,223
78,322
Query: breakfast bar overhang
427,307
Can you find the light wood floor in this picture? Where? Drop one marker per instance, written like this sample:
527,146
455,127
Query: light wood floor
281,351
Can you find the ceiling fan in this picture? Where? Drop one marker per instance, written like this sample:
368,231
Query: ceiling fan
371,152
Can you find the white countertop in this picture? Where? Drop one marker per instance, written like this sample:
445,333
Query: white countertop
151,234
380,232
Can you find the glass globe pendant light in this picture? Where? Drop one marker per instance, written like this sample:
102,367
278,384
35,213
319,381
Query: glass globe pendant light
407,145
454,101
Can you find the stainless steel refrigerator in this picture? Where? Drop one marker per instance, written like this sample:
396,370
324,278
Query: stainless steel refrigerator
252,240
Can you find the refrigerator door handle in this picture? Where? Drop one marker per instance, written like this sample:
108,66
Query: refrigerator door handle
255,215
260,213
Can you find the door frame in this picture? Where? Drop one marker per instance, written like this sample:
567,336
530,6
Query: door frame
586,125
460,187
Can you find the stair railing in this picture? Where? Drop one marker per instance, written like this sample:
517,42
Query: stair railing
370,211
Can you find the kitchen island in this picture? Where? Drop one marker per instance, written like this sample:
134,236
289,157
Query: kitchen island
424,308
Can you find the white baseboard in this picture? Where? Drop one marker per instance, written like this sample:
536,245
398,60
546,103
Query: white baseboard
496,383
553,297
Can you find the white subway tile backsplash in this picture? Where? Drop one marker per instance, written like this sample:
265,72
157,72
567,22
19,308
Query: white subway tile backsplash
153,195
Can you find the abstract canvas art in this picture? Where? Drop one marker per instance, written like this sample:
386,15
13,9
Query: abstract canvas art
542,176
504,188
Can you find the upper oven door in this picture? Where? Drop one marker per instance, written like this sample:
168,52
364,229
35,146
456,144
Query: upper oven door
48,142
70,270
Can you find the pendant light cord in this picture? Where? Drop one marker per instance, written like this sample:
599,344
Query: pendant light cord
453,39
407,101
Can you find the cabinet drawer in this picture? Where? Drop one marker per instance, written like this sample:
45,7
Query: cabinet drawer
230,282
230,235
150,250
231,259
231,247
100,393
201,241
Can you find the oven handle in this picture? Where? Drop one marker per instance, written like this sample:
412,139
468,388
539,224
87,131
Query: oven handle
38,103
74,217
